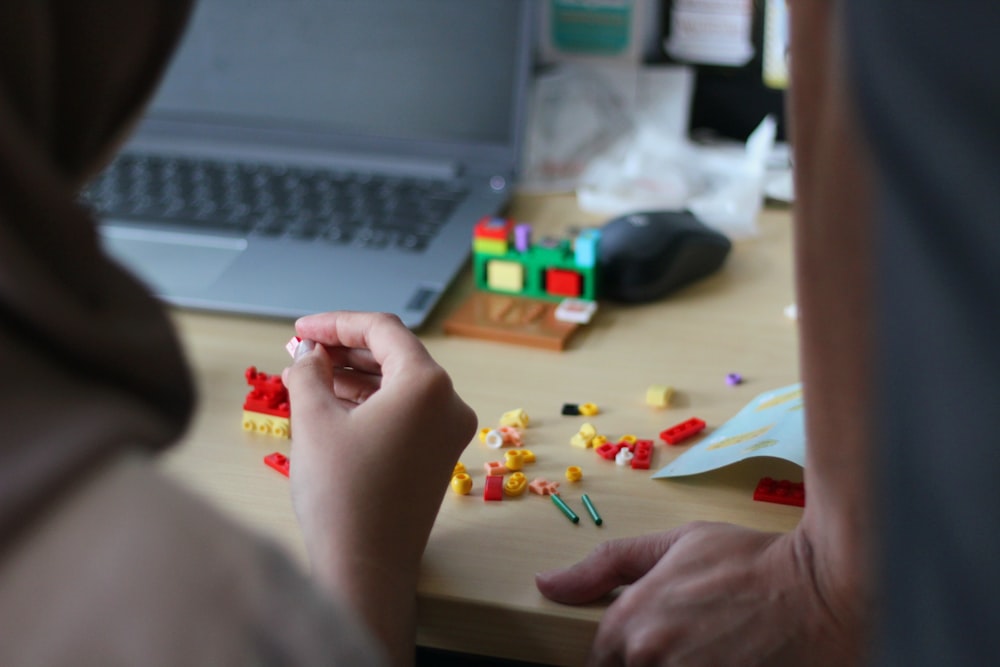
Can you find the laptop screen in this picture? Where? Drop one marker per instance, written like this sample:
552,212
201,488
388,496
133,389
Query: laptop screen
424,70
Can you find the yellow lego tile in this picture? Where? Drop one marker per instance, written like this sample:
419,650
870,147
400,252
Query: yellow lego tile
505,276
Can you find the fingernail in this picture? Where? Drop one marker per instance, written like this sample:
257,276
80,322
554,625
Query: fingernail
305,347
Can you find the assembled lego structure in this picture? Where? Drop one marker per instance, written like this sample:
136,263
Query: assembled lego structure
505,260
533,294
266,408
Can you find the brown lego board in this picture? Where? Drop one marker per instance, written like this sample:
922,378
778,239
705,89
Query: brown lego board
510,319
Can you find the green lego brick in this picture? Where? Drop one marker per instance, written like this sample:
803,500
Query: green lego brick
534,262
556,253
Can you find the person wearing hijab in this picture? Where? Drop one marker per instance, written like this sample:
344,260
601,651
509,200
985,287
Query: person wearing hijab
104,561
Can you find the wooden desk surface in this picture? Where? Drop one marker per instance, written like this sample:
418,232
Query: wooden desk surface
477,592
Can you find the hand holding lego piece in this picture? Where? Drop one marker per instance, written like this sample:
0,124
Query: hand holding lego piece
378,429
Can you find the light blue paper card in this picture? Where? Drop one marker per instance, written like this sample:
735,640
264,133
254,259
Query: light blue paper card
772,424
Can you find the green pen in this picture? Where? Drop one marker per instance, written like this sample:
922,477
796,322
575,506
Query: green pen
564,508
591,510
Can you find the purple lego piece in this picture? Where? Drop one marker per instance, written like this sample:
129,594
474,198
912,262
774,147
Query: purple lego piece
522,237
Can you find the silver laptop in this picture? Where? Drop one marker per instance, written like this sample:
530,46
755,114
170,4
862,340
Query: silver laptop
312,155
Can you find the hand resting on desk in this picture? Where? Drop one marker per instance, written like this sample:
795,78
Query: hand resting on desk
713,594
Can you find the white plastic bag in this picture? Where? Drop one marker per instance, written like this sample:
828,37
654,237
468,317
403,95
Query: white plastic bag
650,170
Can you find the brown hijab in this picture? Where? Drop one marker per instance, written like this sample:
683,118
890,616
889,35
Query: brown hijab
89,363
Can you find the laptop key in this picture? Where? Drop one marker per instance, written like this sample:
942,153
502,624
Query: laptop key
338,235
368,237
305,230
412,242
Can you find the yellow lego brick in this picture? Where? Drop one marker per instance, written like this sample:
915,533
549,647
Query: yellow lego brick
490,246
515,484
574,473
514,459
580,441
517,418
589,409
588,431
505,276
268,424
659,395
461,484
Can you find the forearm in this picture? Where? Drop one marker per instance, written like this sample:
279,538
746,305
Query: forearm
382,592
833,250
370,558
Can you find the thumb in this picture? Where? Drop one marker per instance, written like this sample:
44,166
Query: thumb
309,379
610,565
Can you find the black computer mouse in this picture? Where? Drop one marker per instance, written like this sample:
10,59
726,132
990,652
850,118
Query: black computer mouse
645,256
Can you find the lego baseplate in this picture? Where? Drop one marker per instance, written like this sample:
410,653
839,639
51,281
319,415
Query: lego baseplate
510,319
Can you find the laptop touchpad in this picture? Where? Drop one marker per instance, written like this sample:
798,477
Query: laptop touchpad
173,262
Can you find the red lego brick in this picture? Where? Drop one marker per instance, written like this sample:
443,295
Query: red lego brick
609,451
268,396
562,282
279,462
642,444
493,228
682,431
642,454
493,490
782,492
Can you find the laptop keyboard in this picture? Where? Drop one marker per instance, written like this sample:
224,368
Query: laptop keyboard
340,207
